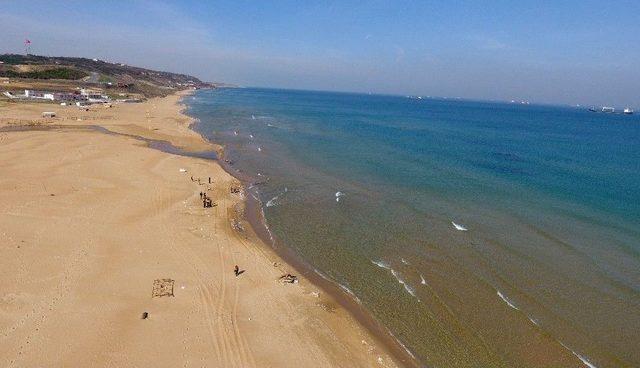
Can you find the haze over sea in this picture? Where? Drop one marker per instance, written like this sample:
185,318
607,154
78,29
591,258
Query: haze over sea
481,234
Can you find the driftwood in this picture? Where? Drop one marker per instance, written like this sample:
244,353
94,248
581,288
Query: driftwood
289,279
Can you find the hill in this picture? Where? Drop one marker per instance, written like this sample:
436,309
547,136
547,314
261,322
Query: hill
66,72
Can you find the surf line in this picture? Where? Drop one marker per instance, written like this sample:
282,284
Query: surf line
511,304
274,201
584,360
398,278
507,300
459,227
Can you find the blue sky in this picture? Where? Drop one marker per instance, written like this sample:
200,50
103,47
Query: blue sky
545,51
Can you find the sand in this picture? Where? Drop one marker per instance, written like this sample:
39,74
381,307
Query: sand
89,220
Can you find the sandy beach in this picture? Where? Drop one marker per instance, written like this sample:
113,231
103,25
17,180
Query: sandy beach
89,221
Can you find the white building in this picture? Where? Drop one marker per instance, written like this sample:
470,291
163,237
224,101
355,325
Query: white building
94,96
38,95
53,96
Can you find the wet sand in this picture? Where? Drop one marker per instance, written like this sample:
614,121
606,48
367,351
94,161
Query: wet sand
89,220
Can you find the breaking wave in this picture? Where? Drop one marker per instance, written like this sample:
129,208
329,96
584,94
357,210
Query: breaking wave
506,300
582,358
458,226
406,286
274,201
397,276
381,264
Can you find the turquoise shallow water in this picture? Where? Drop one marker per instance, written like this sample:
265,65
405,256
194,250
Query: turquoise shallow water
369,189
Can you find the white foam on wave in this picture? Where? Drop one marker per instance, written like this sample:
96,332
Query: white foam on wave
395,274
582,358
506,300
406,286
422,280
274,201
458,226
253,117
266,226
403,345
381,264
344,288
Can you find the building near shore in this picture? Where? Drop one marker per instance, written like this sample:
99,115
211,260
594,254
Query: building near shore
82,95
51,96
38,95
94,95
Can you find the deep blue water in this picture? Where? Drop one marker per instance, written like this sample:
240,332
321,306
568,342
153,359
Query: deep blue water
550,197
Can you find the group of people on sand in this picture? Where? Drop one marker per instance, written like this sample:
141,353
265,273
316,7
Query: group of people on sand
206,201
198,180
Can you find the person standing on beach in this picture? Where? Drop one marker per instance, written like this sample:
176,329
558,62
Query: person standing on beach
236,270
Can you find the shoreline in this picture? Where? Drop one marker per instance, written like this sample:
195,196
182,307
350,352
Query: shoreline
255,217
338,323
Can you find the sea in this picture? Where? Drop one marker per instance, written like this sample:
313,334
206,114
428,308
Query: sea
480,234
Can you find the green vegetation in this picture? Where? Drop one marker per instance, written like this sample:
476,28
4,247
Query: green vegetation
57,73
106,79
148,83
11,59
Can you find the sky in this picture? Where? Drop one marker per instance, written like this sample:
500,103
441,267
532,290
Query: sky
560,52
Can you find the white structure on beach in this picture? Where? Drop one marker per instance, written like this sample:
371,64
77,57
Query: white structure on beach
93,95
84,95
38,95
51,96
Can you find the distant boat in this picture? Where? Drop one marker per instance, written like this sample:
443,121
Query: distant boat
628,111
608,109
593,109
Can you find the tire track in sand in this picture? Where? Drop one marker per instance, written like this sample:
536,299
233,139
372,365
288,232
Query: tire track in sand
241,341
189,260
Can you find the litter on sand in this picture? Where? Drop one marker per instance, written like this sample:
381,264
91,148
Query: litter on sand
162,287
183,170
289,279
